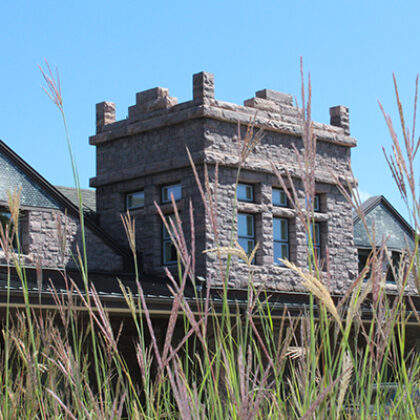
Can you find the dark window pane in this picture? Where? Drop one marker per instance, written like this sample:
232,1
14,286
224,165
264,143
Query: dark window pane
175,190
135,200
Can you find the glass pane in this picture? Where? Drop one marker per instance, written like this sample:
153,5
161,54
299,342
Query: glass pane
284,229
245,225
246,244
169,253
285,251
4,218
279,197
316,235
281,250
250,225
164,230
280,229
175,190
135,200
245,192
317,203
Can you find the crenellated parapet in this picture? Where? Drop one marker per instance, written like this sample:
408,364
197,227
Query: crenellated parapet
271,110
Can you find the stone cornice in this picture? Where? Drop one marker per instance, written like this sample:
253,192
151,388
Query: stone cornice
221,111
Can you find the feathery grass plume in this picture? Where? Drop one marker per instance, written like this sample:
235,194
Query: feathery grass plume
402,159
130,230
53,89
295,352
13,201
247,144
6,241
237,251
315,286
306,160
347,370
403,163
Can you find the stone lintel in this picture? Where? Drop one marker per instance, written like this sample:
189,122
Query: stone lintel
105,114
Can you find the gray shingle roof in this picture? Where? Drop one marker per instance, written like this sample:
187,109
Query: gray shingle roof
88,196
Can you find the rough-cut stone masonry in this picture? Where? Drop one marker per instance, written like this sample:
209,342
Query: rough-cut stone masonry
43,215
46,242
51,237
148,150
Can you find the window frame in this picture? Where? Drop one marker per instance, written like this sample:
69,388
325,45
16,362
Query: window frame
316,238
245,237
127,197
281,191
169,188
281,241
166,240
248,187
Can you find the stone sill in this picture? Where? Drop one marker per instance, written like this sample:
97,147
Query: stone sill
166,208
28,259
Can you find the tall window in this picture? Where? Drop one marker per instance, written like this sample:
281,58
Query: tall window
281,239
135,200
245,192
316,238
168,248
279,197
246,231
174,189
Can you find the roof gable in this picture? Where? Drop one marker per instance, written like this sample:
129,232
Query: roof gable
389,225
13,175
38,192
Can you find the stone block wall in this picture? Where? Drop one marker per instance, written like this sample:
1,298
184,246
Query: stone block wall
147,150
51,237
336,234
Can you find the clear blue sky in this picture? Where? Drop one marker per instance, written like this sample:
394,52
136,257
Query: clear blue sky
110,50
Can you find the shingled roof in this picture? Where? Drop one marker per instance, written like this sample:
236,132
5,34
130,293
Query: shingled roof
88,196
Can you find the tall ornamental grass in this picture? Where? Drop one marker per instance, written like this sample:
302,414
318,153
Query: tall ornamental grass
217,360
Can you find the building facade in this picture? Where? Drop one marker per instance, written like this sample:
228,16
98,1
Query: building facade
143,159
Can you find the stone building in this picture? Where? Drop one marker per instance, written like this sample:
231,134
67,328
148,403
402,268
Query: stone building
142,159
49,225
385,226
